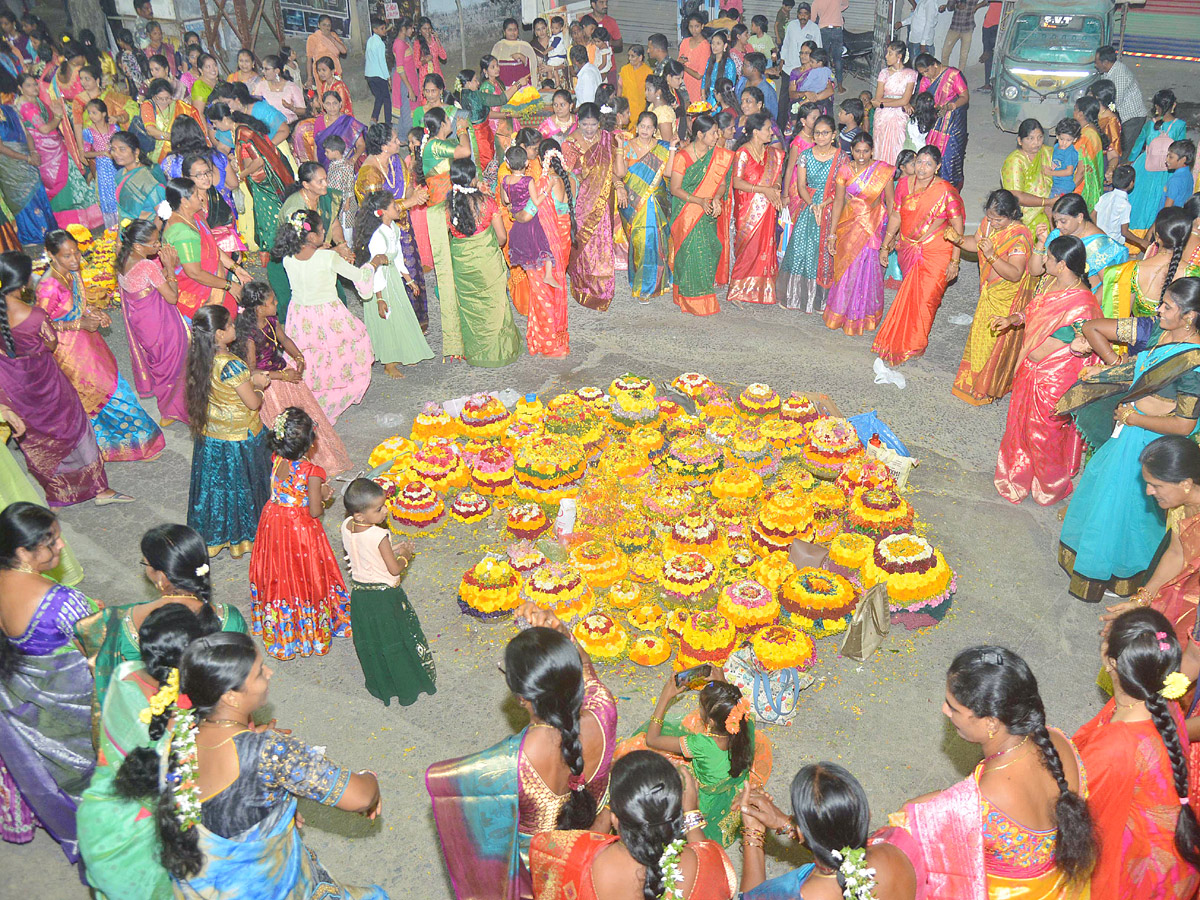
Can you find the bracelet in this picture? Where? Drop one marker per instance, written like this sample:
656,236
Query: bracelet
656,720
752,838
693,820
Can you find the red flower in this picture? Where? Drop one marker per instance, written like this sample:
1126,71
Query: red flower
183,702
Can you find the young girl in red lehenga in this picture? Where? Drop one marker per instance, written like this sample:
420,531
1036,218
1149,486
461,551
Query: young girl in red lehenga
299,596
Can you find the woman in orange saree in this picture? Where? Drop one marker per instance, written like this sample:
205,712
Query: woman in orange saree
756,204
862,197
646,793
699,180
926,205
1003,245
1041,450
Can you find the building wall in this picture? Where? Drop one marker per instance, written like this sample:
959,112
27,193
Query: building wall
481,23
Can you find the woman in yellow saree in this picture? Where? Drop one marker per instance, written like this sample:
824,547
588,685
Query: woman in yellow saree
1003,244
1024,174
699,180
1091,144
648,163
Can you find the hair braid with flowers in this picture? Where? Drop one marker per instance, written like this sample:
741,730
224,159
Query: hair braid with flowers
551,155
724,706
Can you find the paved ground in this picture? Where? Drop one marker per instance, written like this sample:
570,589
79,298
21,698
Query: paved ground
881,719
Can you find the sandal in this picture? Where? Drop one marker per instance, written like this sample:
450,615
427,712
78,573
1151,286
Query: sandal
116,497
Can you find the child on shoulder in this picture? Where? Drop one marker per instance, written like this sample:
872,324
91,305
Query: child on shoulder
298,595
391,647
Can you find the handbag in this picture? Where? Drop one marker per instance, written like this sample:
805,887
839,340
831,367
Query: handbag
804,554
1156,153
871,623
775,696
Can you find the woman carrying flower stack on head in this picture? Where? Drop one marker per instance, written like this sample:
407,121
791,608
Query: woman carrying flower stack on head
593,156
1003,245
926,206
757,168
1041,451
262,343
118,833
1137,755
334,344
229,805
158,337
863,194
832,818
658,850
123,428
392,650
806,272
46,755
396,338
489,335
1024,833
551,775
300,600
1112,530
718,742
231,476
699,184
648,164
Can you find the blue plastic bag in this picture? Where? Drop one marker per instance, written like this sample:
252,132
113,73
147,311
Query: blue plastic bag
869,424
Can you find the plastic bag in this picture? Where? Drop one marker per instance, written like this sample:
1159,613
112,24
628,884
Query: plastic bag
869,424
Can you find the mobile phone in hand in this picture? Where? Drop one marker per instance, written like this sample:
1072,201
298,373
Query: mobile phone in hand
696,673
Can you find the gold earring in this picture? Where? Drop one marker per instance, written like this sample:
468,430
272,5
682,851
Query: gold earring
991,732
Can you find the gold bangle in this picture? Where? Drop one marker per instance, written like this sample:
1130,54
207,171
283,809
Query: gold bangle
656,720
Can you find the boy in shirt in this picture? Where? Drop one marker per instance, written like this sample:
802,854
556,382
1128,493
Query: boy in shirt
1112,210
781,19
1066,158
341,178
375,68
850,118
1181,155
759,39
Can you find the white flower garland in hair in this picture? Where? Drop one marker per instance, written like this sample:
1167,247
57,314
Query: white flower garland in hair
554,154
606,109
857,875
163,210
459,189
672,873
183,781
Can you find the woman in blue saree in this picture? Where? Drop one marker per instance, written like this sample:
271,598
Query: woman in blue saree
139,191
46,755
1071,217
1112,529
20,181
646,219
247,779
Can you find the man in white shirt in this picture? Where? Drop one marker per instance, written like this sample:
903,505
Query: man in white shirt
587,76
799,30
922,24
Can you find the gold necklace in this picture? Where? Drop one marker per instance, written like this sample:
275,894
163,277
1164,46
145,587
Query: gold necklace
26,568
1006,752
234,722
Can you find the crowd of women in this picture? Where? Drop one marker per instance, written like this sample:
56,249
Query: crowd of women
129,734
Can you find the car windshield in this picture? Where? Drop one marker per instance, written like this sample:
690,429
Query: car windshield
1055,38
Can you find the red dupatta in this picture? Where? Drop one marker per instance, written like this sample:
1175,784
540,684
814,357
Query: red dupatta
1050,311
1178,597
267,152
714,177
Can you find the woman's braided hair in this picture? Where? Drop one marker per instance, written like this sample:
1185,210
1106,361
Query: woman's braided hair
543,667
993,682
1142,643
647,801
15,271
556,166
1172,228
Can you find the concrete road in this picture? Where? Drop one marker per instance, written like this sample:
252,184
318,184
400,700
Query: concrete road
881,719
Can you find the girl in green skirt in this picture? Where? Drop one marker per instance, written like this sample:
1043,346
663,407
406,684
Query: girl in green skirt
391,647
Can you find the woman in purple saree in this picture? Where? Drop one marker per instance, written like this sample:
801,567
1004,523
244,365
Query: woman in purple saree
311,134
158,337
59,444
46,755
487,806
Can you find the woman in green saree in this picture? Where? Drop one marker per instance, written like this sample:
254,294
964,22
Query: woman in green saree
1091,144
139,192
490,337
118,835
1024,174
718,742
437,152
699,181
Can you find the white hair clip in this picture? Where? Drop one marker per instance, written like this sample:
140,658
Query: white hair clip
606,109
201,571
163,210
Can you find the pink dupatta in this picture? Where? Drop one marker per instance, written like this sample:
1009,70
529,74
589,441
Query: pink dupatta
948,830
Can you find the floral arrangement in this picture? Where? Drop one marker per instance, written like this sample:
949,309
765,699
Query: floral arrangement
748,605
832,443
686,577
469,508
784,435
646,568
647,617
819,602
828,504
440,465
849,551
650,650
731,514
707,637
699,107
693,458
394,448
524,557
416,507
780,521
649,439
490,589
634,534
773,570
677,620
600,636
695,532
601,563
548,467
783,647
634,407
625,461
493,471
920,584
798,408
867,472
483,416
432,421
878,512
559,589
691,384
526,95
721,431
666,505
625,594
526,520
630,382
738,564
758,400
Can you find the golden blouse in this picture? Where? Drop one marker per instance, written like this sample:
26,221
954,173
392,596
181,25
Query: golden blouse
229,419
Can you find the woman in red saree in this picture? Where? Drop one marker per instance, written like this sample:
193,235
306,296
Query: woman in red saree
594,156
756,204
646,793
926,205
1136,751
1041,450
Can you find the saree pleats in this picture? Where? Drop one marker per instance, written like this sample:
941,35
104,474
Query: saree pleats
695,238
593,265
756,263
645,223
489,336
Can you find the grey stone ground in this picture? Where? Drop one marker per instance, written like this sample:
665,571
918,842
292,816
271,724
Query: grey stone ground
881,719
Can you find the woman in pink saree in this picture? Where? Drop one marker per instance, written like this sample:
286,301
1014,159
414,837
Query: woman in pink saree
1025,834
594,157
893,92
72,199
1041,450
488,806
158,337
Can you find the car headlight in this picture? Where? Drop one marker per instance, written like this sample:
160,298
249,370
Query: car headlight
1011,92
